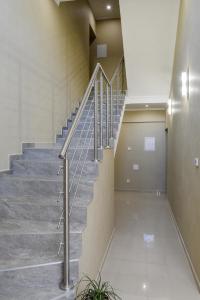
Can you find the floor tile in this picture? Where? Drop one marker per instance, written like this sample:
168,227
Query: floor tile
146,260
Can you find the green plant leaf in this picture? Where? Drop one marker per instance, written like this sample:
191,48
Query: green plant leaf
96,290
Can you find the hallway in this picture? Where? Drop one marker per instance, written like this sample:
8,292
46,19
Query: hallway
146,260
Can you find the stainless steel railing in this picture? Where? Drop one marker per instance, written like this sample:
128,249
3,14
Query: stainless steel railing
101,89
118,81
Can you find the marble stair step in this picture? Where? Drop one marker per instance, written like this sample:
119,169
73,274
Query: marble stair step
33,212
88,112
40,282
116,118
85,134
22,186
119,100
82,142
87,126
116,108
25,249
88,115
20,226
51,168
52,154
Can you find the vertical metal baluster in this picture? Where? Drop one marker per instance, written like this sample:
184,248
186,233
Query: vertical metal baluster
66,284
101,111
111,117
96,121
107,116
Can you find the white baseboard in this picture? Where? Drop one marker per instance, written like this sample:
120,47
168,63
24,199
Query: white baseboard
196,278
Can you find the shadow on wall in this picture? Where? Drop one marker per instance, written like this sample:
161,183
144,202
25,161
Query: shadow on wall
44,69
109,33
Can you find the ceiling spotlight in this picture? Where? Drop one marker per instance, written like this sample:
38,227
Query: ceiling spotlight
108,7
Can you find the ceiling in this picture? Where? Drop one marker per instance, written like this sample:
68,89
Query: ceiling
100,11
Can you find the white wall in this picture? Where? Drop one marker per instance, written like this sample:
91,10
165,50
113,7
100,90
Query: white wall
149,32
44,69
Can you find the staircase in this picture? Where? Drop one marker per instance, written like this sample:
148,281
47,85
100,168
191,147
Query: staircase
31,211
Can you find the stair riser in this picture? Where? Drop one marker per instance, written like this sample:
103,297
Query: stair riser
17,188
18,249
49,213
32,168
116,107
52,154
25,283
41,188
120,100
88,114
84,133
29,188
87,126
115,119
50,169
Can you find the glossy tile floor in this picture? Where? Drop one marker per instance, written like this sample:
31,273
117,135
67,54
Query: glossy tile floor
146,260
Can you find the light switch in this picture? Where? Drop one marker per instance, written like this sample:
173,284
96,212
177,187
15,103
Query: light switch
128,180
136,167
129,148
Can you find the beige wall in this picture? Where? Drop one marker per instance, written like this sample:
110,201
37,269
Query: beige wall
100,219
145,116
184,132
44,59
109,32
151,175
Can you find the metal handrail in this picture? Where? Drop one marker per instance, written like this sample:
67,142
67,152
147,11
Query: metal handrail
116,76
94,83
81,108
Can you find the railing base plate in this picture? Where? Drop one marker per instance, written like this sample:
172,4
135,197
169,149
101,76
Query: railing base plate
100,154
69,288
111,142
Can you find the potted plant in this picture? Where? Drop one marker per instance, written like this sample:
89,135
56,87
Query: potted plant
96,290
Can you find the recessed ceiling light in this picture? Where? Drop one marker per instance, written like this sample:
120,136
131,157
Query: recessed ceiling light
108,7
